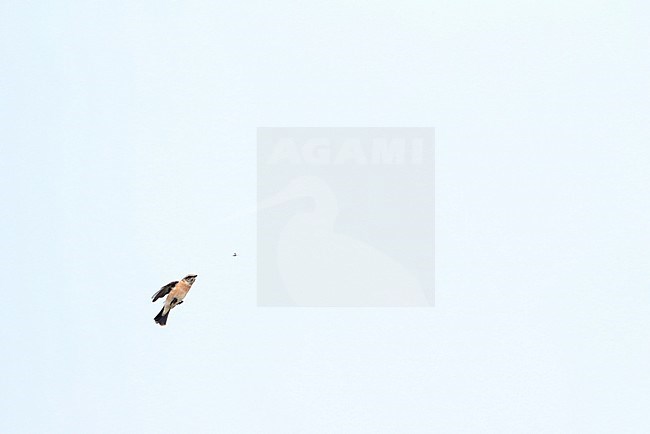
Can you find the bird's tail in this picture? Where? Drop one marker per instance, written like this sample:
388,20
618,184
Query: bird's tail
160,318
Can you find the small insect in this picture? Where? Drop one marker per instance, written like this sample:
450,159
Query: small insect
234,254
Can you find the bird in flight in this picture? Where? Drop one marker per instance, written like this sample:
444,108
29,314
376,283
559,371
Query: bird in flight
175,292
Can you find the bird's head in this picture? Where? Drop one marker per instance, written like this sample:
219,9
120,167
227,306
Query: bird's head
189,279
313,187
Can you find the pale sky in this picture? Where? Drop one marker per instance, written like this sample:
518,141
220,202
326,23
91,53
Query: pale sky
128,137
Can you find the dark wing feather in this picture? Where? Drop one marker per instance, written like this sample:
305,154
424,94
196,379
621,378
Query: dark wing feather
164,291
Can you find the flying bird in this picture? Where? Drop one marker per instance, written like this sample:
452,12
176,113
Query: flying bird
175,292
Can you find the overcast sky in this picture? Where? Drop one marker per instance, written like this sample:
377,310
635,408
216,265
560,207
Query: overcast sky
128,136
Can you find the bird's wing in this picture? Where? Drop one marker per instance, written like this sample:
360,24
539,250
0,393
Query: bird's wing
164,291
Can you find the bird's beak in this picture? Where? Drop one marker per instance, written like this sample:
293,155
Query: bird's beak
283,196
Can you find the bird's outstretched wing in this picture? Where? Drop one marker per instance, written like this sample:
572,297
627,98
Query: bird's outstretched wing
164,290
